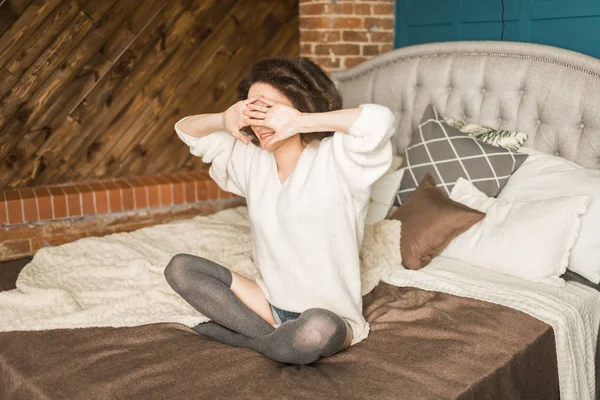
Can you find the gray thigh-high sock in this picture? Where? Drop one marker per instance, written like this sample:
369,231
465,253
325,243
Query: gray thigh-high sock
206,285
316,333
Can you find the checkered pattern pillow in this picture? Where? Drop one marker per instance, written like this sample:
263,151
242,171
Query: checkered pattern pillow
448,154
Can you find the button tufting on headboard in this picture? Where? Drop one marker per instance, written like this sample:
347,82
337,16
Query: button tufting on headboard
514,84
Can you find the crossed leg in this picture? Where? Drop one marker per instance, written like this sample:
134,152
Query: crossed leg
241,315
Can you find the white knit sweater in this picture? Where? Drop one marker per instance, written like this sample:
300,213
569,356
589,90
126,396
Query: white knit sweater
307,232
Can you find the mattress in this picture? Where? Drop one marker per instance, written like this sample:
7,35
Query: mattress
422,345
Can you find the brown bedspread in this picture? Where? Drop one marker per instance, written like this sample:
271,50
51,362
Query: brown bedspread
422,345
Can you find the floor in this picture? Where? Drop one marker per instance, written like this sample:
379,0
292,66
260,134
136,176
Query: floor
9,270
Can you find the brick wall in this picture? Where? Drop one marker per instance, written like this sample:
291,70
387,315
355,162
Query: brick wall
35,217
339,34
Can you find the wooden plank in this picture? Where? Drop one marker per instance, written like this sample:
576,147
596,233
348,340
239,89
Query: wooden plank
98,149
96,118
23,27
74,62
37,75
110,58
130,30
10,11
31,80
35,45
131,114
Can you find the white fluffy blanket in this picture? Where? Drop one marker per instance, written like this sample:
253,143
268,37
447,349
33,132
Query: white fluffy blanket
118,279
573,311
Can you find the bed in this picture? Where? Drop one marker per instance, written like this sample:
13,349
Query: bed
423,344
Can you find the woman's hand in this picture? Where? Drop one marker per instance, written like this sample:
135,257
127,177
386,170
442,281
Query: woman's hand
284,120
233,119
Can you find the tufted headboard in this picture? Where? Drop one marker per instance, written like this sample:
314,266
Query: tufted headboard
552,94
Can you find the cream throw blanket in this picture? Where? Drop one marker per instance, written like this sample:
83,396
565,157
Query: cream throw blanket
573,311
118,279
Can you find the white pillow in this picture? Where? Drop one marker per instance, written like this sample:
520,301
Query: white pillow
383,192
544,175
522,238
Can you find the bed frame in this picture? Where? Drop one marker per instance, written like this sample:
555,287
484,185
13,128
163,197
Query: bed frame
551,94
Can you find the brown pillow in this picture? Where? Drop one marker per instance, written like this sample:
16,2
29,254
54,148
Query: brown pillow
430,220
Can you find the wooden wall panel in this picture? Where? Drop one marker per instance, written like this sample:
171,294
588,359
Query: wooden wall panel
91,89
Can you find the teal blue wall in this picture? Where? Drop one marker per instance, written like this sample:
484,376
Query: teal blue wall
571,24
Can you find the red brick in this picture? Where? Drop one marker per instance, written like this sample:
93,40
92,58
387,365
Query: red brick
211,190
362,9
165,190
17,232
306,49
13,203
383,9
352,61
87,198
12,248
114,197
370,50
73,201
382,36
30,207
54,228
178,193
355,36
202,190
60,202
44,203
189,192
101,195
337,49
319,36
379,23
127,194
153,195
140,192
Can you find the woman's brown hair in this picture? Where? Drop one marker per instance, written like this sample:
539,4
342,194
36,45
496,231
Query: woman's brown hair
302,81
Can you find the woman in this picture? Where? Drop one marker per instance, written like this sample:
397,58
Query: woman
305,167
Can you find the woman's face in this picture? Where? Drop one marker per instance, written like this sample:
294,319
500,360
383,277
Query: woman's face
262,132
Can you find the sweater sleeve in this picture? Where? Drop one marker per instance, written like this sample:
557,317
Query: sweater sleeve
365,153
229,157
